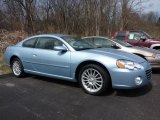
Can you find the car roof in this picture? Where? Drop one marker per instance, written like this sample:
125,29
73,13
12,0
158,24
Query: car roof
131,31
43,35
104,37
58,35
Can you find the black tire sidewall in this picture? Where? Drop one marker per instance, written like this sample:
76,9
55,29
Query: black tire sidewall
105,76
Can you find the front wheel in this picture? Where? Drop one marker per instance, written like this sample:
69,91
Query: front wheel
94,79
17,67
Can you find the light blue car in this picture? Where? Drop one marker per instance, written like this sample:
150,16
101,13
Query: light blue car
69,58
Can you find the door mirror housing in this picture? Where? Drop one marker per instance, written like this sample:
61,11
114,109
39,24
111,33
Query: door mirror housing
60,48
115,46
143,38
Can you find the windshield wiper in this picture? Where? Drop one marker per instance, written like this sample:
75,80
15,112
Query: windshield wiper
99,47
84,48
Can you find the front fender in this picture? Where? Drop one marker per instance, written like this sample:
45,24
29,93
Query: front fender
155,45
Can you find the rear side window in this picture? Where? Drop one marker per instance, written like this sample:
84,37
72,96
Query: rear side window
120,36
134,36
30,43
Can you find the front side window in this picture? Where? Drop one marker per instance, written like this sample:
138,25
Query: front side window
90,40
100,42
134,36
30,43
48,43
123,43
120,36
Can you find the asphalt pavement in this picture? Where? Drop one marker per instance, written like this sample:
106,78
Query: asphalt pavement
39,98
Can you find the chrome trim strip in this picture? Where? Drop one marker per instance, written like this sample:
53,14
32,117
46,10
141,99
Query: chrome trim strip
48,74
46,64
115,85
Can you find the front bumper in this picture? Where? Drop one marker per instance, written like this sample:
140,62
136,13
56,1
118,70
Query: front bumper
125,79
155,63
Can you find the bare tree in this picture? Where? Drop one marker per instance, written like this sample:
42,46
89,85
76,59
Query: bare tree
28,6
80,17
128,7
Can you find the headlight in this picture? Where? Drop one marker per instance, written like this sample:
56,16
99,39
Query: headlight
157,56
125,64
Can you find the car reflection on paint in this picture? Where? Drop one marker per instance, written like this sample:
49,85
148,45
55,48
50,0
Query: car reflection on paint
151,55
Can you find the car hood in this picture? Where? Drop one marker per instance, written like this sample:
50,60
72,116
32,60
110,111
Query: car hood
116,54
154,41
145,50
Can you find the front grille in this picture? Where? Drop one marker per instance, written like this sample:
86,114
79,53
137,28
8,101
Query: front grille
149,73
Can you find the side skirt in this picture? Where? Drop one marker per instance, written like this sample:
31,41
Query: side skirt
49,75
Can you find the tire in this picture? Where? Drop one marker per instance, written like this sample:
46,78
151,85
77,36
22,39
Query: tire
94,79
17,67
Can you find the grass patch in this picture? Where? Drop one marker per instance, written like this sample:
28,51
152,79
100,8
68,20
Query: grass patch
4,69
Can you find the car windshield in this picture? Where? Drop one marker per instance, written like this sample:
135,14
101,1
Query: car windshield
123,43
77,43
147,35
103,43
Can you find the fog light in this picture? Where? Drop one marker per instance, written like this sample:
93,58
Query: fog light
138,80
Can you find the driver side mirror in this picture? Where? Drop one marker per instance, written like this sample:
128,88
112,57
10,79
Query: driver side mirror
60,48
115,46
143,38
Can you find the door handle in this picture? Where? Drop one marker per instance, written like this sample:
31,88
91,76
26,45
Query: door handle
34,55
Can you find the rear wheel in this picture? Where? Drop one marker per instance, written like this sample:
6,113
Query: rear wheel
17,67
94,79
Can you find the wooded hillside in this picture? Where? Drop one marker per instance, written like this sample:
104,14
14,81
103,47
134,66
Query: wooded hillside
80,17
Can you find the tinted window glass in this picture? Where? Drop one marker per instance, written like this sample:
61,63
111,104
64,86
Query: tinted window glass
100,42
30,43
48,43
90,40
123,43
121,36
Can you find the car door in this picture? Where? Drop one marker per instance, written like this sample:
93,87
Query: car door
134,38
26,53
49,61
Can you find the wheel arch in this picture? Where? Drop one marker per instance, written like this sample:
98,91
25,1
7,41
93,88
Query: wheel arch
90,62
154,46
140,55
12,58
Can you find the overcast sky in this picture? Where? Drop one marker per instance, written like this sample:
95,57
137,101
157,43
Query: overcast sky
152,5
